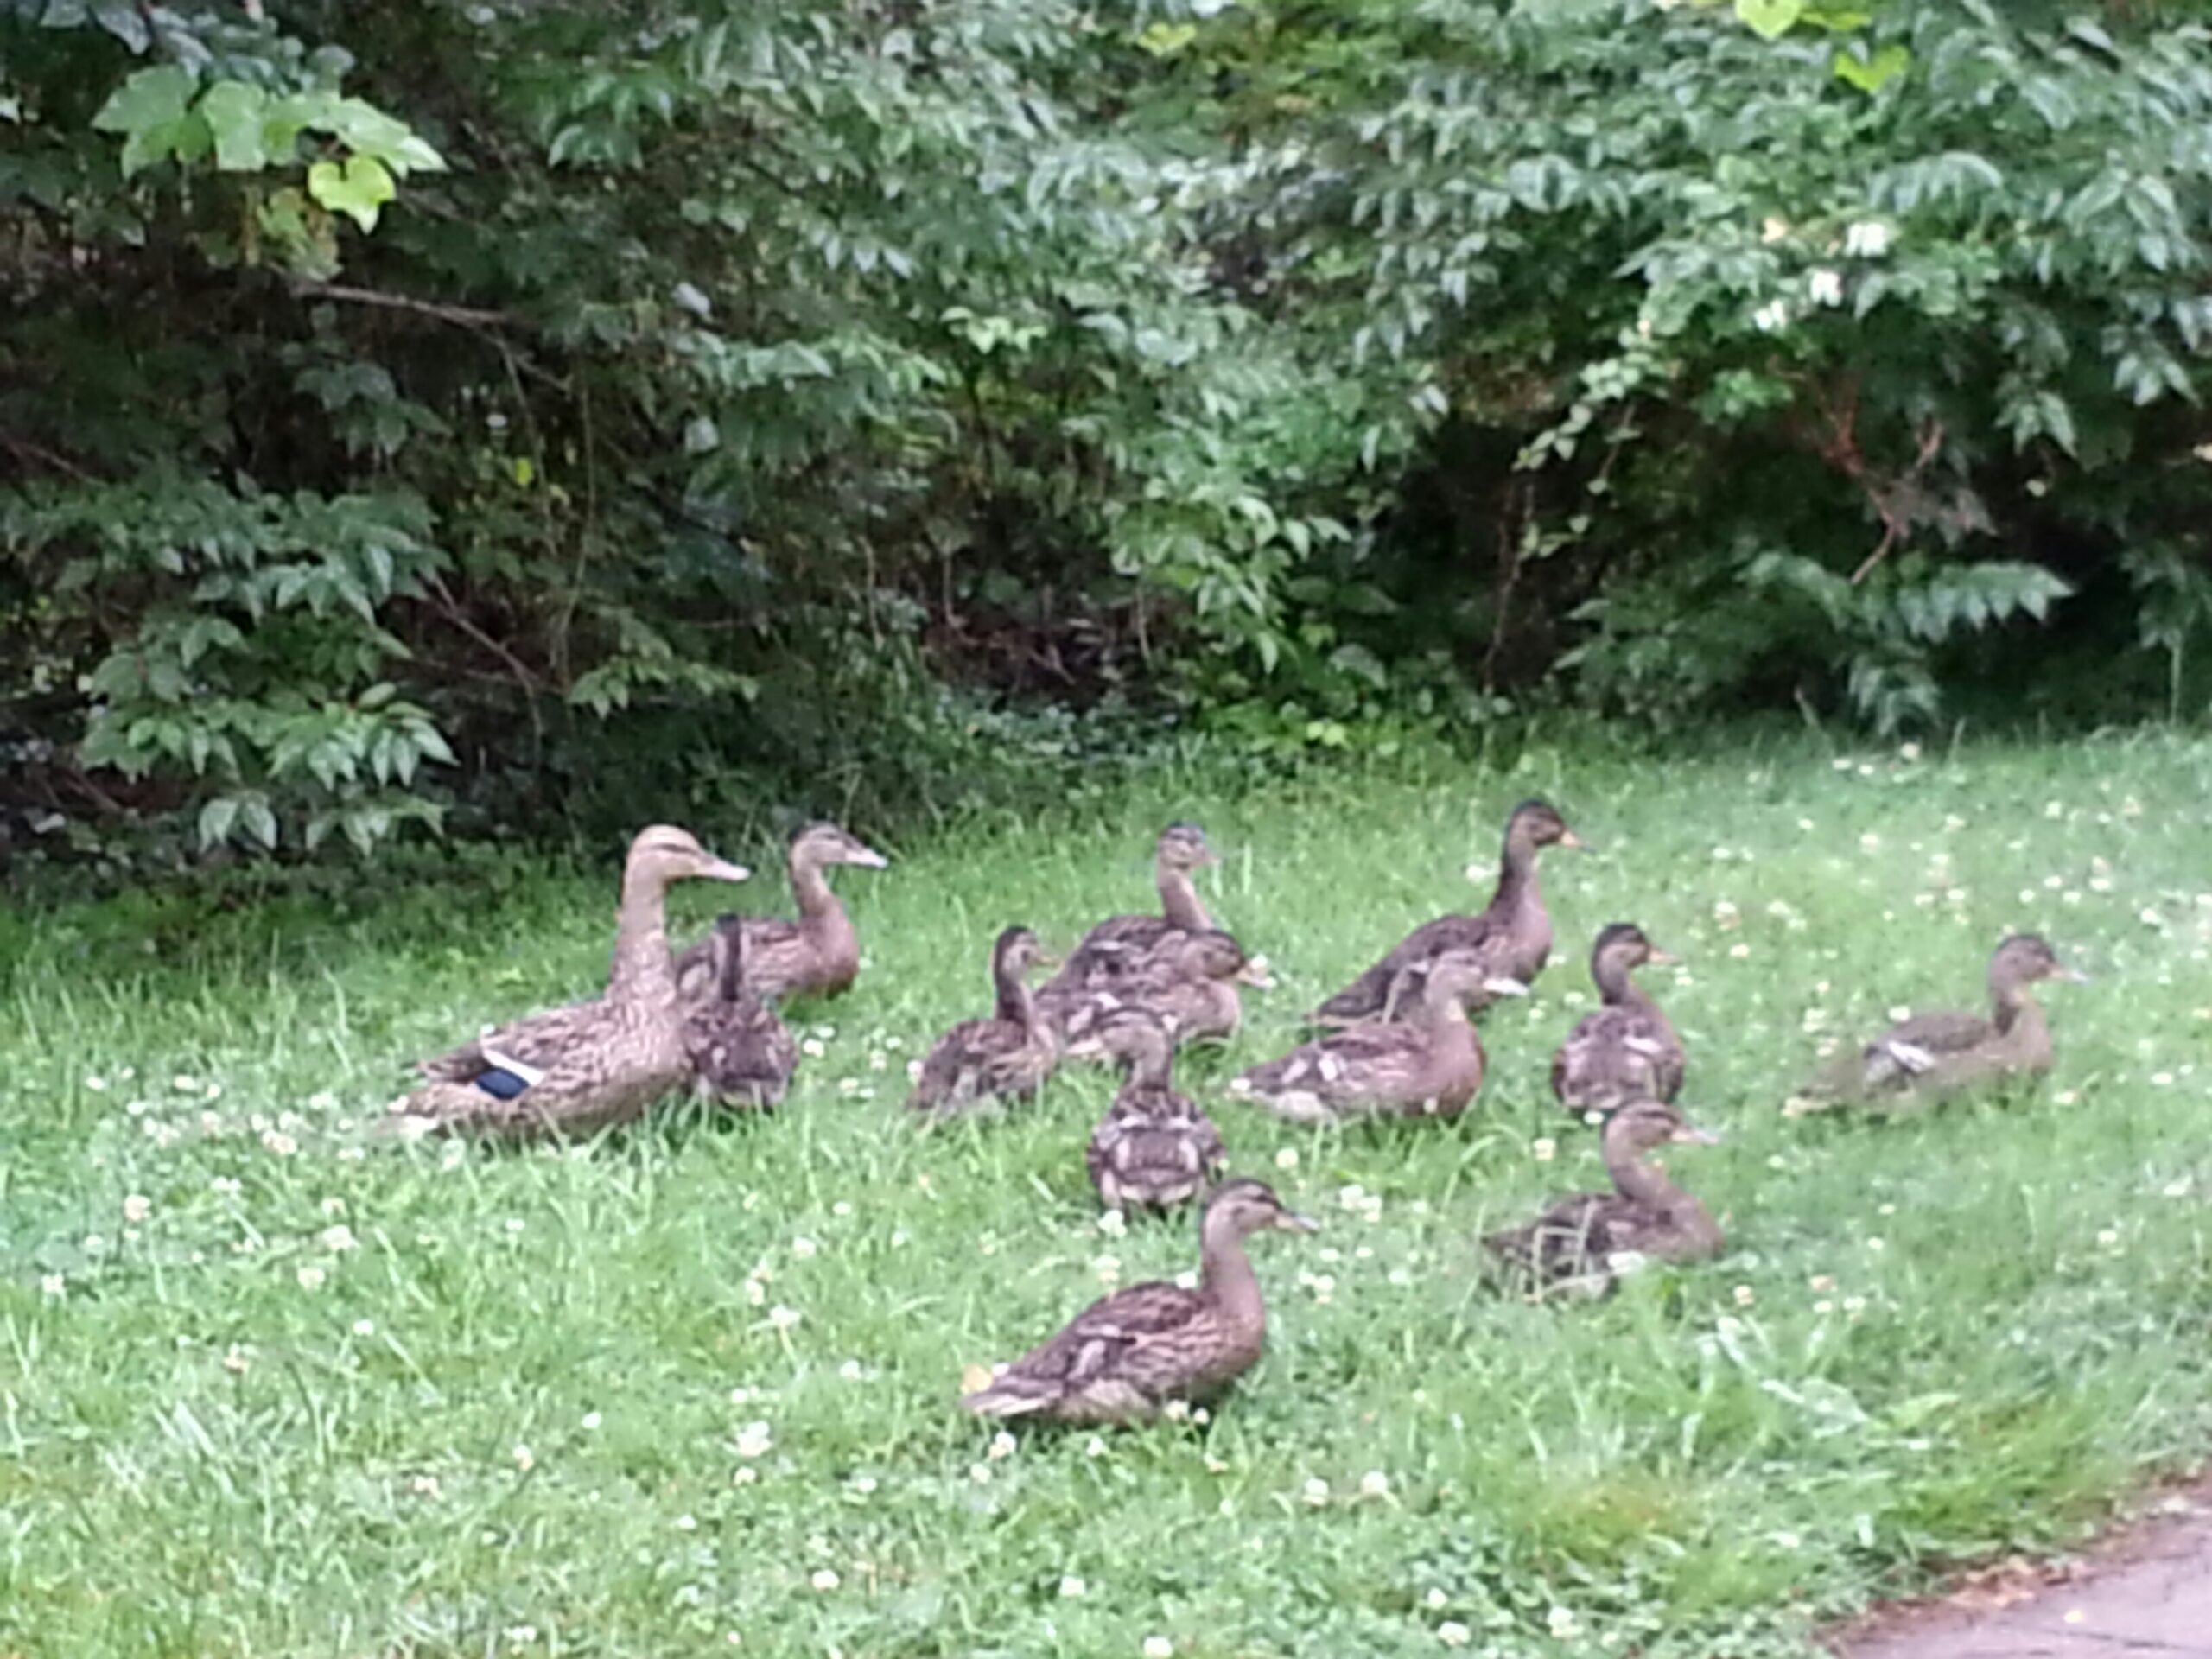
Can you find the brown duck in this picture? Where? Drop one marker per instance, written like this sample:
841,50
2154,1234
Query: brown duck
574,1070
1127,1356
1189,983
980,1061
1154,1148
819,955
1581,1245
1427,1065
741,1053
1624,1050
1119,944
1933,1055
1512,936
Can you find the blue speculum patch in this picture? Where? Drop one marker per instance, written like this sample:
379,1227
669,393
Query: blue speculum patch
501,1083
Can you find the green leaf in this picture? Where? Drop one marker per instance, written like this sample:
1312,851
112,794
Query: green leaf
235,114
1164,40
1770,19
260,822
216,819
357,190
187,140
150,98
1872,74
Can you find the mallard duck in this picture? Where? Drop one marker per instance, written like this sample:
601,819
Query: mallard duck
817,955
1127,1356
1427,1065
1581,1244
1625,1050
1119,943
1932,1055
1013,1052
576,1068
741,1053
1153,1148
1189,983
1512,936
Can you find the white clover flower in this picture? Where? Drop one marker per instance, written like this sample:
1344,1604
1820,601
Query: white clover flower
1452,1634
1072,1588
1317,1493
339,1237
1561,1623
591,1420
53,1285
1287,1158
804,1246
1543,1149
754,1440
825,1580
1773,230
1744,1296
1375,1484
311,1278
365,1327
1002,1446
783,1318
525,1459
1158,1646
137,1207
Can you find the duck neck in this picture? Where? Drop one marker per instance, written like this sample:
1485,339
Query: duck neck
1178,897
729,981
1639,1179
817,903
641,966
2018,1016
1517,873
1446,1014
1225,1275
1016,1005
1147,1059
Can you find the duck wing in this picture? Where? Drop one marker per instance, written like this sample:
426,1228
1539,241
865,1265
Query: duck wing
1615,1054
1915,1047
1573,1239
976,1060
538,1040
1365,996
1117,1360
1116,951
1156,1150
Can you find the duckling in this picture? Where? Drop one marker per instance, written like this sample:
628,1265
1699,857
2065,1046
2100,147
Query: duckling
1512,935
1580,1245
1430,1065
1011,1052
741,1053
1153,1148
819,955
574,1070
1625,1050
1127,1356
1934,1055
1190,983
1119,943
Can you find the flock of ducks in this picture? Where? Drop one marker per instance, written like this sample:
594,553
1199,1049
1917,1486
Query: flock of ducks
1398,1042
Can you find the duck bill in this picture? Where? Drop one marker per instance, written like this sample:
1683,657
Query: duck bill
1505,988
1664,958
1291,1222
1255,974
720,869
1570,839
1690,1135
866,858
2076,975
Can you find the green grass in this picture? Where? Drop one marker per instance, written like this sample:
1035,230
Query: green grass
202,1454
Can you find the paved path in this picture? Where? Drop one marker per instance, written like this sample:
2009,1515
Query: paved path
2148,1597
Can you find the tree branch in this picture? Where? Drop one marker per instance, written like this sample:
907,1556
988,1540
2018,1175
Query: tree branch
461,316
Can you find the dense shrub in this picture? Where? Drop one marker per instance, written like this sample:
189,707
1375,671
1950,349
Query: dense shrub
518,410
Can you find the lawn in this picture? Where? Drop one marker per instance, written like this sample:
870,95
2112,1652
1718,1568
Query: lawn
691,1389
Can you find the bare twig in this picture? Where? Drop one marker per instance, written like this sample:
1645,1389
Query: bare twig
529,682
30,449
1885,499
461,316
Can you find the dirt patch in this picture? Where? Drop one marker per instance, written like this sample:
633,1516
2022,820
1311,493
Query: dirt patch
2145,1589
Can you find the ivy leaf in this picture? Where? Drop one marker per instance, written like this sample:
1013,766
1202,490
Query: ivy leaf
126,21
235,114
358,189
1770,19
150,98
1872,74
